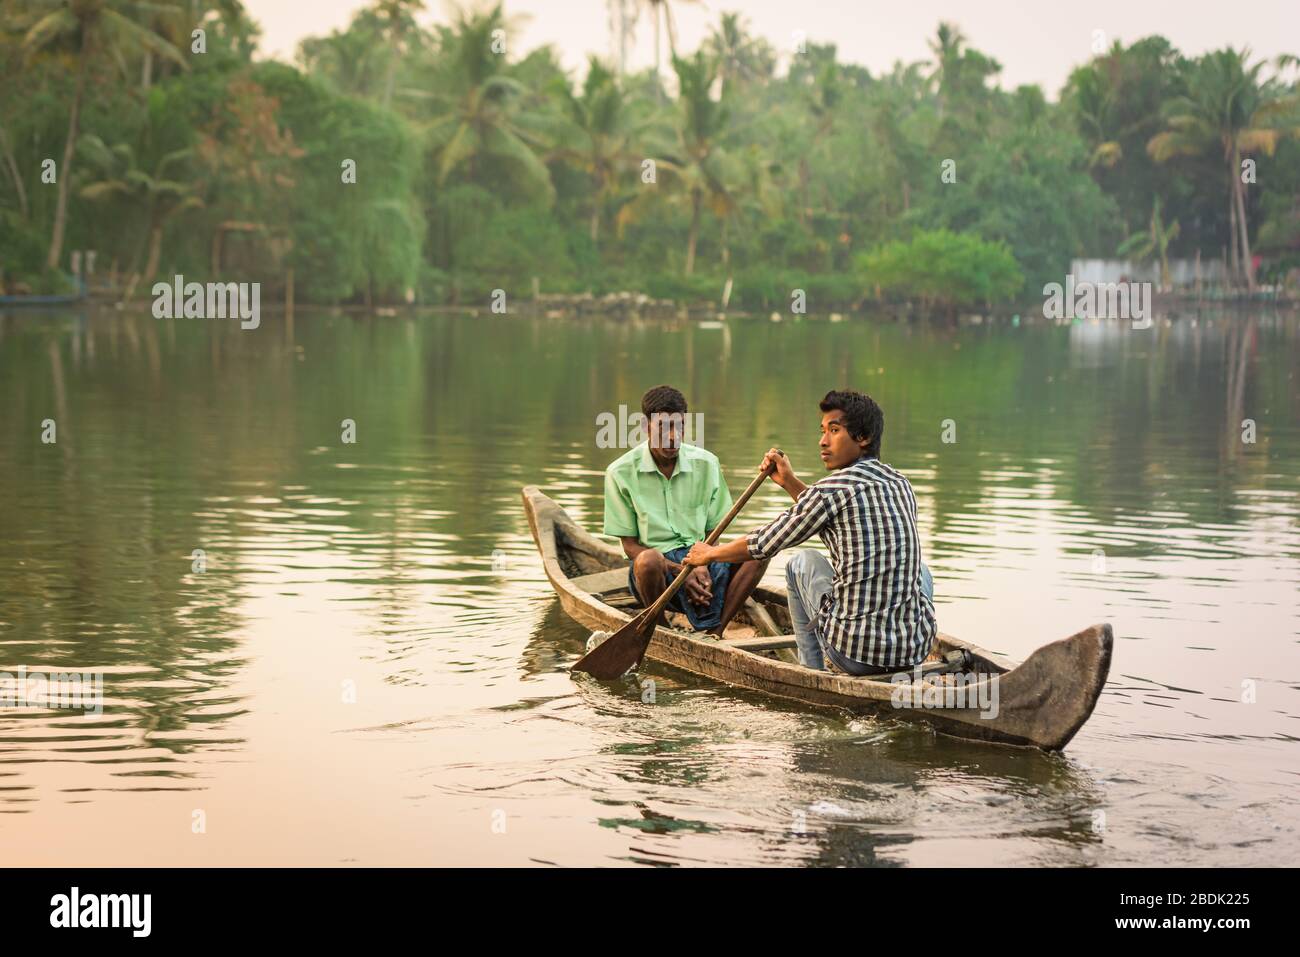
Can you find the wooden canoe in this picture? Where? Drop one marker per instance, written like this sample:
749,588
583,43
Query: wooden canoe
1040,702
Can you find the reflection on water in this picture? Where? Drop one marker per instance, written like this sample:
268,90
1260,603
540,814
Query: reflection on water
320,652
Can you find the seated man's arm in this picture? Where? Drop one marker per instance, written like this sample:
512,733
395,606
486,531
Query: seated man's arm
719,500
797,524
620,516
699,587
784,474
632,547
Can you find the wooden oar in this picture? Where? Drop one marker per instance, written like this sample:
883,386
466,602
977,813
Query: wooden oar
626,647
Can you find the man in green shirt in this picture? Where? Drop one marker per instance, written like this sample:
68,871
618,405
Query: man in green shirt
663,496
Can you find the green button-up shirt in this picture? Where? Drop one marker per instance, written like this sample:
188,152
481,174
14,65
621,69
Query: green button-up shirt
662,513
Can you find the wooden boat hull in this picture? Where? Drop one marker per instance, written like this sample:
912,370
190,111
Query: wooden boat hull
1039,703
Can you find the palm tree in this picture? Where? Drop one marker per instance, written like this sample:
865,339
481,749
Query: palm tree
946,47
1227,108
178,21
602,130
11,170
10,92
482,117
350,60
754,191
697,166
701,122
959,71
1094,91
741,58
622,24
823,99
895,155
163,198
95,28
662,8
1115,101
398,17
1153,243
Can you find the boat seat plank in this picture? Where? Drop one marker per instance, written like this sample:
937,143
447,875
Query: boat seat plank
761,642
611,580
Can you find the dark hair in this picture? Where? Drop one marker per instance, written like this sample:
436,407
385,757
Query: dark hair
862,417
662,398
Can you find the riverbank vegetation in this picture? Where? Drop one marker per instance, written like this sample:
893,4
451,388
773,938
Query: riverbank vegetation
433,161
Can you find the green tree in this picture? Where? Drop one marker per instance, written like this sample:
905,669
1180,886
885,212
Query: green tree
662,9
1153,243
1026,185
695,161
943,268
176,20
10,91
894,151
959,72
823,98
351,60
398,19
1228,109
162,197
602,131
354,239
1115,101
742,58
94,28
480,115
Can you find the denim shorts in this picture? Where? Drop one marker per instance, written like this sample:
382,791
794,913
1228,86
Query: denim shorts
701,619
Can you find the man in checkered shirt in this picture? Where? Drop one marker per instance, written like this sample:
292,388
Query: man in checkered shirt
870,608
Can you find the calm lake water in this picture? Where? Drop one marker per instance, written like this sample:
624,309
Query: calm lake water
1099,473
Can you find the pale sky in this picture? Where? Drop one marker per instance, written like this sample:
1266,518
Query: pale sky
1036,41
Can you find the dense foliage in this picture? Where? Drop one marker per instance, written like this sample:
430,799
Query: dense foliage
396,162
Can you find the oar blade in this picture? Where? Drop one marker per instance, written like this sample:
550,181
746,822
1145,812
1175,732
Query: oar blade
620,652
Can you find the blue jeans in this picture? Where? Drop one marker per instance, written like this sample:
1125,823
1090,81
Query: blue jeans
808,577
701,619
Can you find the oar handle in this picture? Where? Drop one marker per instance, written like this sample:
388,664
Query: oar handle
661,602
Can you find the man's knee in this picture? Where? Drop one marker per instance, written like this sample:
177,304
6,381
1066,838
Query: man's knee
795,567
649,562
